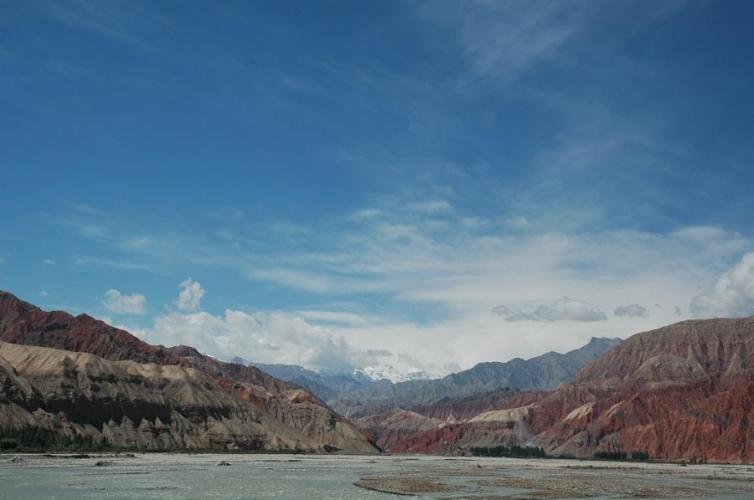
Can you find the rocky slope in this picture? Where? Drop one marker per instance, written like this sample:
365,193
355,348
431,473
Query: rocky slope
685,391
289,412
79,396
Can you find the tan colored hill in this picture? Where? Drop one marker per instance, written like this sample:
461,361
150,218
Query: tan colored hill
123,403
286,416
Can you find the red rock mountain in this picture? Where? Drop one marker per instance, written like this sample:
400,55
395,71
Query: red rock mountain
685,391
307,419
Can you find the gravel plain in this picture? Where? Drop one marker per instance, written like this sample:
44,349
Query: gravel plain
173,476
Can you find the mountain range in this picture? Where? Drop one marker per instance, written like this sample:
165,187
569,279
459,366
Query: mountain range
357,395
681,392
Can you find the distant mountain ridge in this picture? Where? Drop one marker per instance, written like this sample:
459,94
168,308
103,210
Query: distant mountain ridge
538,373
388,372
357,395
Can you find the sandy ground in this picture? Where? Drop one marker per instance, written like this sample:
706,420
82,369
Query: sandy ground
170,476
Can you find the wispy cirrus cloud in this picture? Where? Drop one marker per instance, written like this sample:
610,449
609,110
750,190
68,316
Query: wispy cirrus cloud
124,23
502,40
126,265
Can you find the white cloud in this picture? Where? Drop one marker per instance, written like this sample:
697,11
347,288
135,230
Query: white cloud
263,337
341,317
309,338
631,311
125,304
49,262
731,295
190,297
714,239
565,309
44,294
2,260
116,264
318,282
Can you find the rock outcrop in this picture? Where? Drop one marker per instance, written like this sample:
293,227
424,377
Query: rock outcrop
286,416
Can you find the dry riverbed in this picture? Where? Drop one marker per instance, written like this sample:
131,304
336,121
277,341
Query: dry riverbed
168,476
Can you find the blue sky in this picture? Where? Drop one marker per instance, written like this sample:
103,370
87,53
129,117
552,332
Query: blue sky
425,184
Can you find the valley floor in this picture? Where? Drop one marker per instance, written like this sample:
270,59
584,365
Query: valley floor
168,476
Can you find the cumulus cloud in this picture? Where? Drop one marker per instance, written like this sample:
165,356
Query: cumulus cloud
631,311
49,262
125,304
190,297
263,337
565,309
731,295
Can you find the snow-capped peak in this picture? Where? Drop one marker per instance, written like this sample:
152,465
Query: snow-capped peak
388,372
